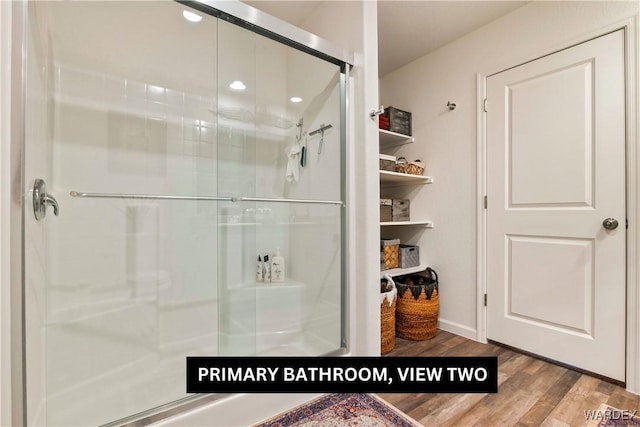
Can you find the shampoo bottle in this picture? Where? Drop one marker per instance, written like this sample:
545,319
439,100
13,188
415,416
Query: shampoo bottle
259,276
277,267
267,269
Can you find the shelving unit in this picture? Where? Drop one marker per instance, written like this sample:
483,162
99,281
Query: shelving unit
425,224
390,180
392,139
400,271
388,177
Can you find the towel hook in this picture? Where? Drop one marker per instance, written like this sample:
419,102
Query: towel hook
299,125
452,105
375,113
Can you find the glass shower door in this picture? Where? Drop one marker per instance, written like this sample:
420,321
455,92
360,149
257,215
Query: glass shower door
178,149
122,285
280,153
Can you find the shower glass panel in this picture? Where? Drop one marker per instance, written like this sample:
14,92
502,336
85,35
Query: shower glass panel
271,98
171,181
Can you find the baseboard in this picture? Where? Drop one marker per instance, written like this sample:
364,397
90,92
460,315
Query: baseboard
458,329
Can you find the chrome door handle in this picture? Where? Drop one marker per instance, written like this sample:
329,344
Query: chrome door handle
610,223
41,200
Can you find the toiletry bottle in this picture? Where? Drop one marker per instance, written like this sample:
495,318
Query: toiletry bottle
267,269
277,267
259,276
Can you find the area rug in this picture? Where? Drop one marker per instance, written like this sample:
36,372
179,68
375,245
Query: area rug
614,417
343,409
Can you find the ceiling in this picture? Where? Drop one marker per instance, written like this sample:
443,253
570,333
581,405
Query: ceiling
407,30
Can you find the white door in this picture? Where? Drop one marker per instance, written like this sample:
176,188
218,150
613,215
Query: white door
556,171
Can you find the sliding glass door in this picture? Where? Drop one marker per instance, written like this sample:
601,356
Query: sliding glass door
279,151
168,155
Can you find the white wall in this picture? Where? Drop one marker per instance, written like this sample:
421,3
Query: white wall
446,140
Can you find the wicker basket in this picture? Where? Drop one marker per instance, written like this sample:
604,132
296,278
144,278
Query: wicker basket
388,320
412,168
390,253
417,306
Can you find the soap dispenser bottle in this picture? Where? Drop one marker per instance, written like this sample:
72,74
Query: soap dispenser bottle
277,267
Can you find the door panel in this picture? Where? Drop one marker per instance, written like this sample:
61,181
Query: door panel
556,170
570,263
566,137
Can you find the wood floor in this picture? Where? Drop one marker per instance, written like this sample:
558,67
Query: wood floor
531,392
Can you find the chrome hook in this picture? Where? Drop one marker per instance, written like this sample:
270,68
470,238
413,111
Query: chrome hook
375,113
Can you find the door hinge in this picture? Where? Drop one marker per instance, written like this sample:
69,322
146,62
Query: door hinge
485,202
626,223
485,300
484,105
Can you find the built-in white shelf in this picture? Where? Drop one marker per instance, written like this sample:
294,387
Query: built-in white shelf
425,224
400,271
388,177
392,139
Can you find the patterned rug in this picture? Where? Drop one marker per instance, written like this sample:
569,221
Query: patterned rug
343,409
614,417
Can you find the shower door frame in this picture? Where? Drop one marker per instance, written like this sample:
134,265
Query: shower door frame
20,203
16,206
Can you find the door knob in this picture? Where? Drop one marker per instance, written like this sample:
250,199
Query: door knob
610,223
41,200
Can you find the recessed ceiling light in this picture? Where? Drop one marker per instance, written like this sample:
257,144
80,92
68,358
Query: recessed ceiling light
295,99
191,17
237,85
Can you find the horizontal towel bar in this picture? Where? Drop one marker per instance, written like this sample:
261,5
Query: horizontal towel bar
260,199
147,196
201,198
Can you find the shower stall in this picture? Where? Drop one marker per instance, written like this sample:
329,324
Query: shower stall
169,149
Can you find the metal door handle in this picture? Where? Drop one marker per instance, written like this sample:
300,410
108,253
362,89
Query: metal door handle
610,223
41,200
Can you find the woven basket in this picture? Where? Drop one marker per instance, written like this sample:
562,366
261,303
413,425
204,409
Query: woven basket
414,168
417,309
390,253
411,168
388,321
